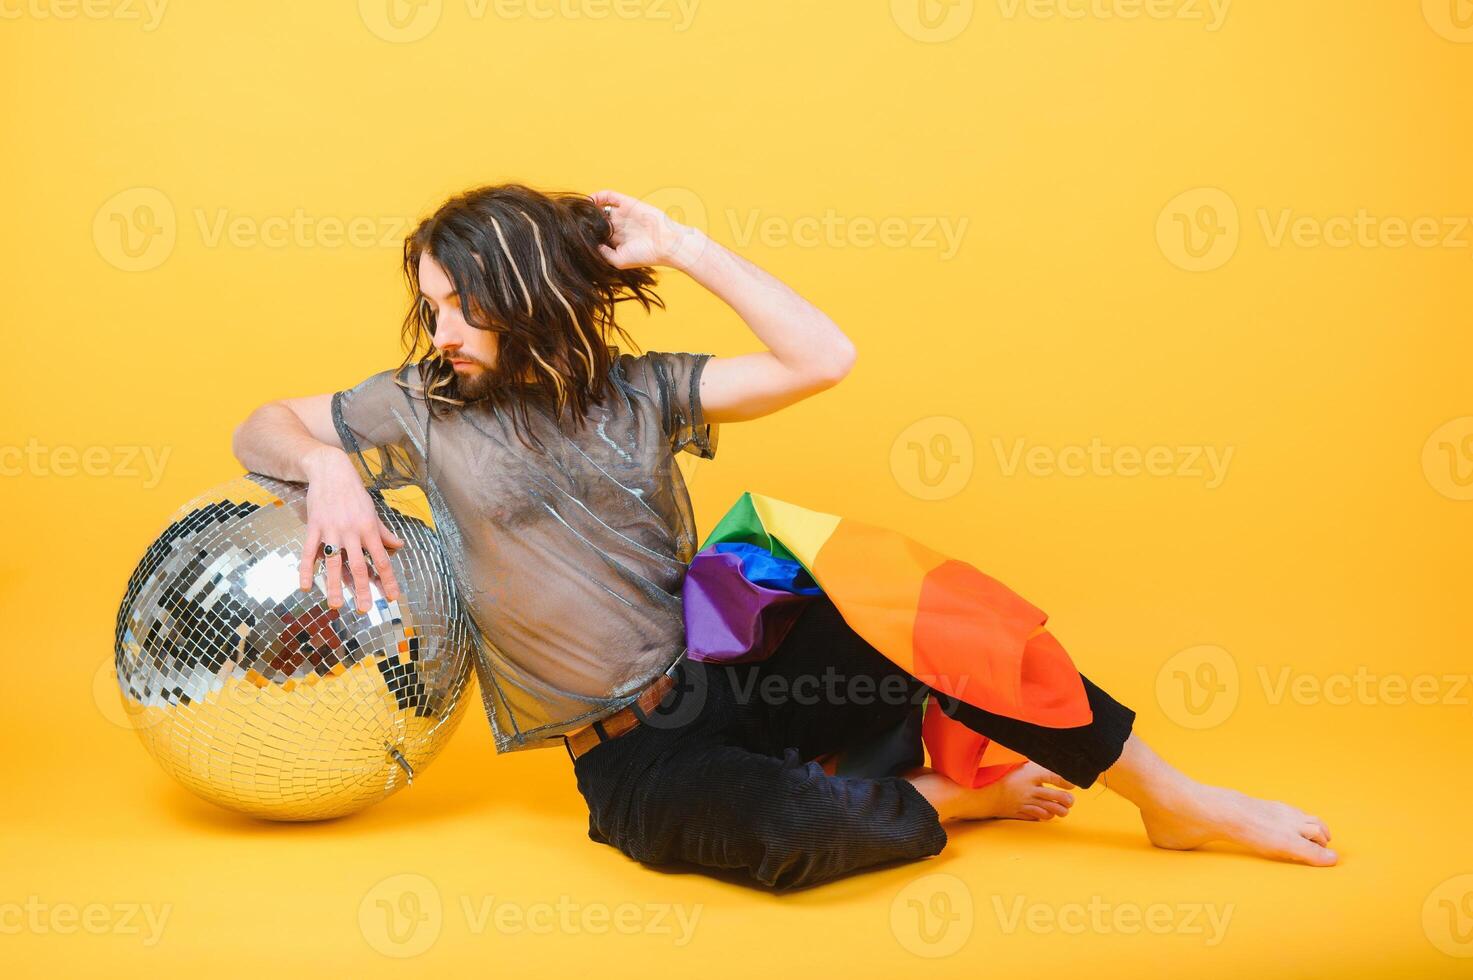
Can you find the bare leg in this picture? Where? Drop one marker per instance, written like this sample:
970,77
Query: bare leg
1181,813
1178,812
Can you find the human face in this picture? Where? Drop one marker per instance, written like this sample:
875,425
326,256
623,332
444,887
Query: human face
470,350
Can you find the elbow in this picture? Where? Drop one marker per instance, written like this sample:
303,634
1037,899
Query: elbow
241,435
237,438
839,363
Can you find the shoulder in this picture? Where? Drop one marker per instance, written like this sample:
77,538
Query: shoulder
405,385
397,392
407,378
657,372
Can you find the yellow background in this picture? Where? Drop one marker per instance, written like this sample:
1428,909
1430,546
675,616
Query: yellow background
1337,542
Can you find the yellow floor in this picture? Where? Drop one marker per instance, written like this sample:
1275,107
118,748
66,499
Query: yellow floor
486,858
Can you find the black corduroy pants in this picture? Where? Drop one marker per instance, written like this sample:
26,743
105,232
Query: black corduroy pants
723,774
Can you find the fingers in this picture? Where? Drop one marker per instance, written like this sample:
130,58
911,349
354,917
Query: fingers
1029,811
333,563
391,540
611,197
307,566
356,573
342,525
615,259
385,570
359,569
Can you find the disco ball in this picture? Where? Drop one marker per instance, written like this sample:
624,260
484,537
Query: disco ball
262,698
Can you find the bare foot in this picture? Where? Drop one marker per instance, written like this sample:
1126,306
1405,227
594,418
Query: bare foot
1181,813
1195,814
1020,795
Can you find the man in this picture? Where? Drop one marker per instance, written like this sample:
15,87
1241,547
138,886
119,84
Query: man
548,458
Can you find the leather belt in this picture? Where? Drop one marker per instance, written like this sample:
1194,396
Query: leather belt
580,741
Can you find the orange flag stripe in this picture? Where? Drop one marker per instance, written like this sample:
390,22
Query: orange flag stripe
876,578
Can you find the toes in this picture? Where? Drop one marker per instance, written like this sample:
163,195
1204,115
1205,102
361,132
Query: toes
1308,852
1057,809
1056,795
1045,776
1314,832
1324,828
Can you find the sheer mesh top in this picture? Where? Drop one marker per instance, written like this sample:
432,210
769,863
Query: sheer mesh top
570,561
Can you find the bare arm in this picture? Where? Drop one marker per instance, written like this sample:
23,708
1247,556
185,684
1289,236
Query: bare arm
806,351
289,439
294,439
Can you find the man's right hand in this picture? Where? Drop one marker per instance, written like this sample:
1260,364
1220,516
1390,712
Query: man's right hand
340,512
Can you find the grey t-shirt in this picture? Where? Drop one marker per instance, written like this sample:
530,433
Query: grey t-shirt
571,562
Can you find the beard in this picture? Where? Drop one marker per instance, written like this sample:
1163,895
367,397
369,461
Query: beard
472,386
479,384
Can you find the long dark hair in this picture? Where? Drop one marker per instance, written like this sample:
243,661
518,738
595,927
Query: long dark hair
526,265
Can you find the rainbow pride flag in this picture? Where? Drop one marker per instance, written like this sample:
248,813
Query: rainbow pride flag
940,619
